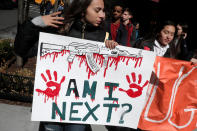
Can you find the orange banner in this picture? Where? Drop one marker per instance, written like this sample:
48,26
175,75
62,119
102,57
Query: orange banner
171,98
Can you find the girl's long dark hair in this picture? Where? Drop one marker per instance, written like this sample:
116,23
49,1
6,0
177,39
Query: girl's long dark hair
156,29
76,10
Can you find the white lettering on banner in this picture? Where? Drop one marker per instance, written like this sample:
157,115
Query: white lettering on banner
192,110
172,100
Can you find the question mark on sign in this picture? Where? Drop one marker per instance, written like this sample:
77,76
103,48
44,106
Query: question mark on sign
121,121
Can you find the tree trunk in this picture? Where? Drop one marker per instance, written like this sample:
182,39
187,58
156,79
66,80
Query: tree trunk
20,11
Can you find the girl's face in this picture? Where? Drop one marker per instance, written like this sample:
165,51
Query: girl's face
179,30
166,35
95,12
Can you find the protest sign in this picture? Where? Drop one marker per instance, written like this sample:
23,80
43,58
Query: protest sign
82,81
172,97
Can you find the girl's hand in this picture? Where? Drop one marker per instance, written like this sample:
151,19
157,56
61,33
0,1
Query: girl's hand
194,61
53,20
111,44
184,35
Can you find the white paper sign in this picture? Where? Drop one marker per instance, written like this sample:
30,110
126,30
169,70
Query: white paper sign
82,81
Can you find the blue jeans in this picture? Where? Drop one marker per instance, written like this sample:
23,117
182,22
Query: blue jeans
52,126
118,128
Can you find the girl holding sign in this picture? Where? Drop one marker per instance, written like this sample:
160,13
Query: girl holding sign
83,19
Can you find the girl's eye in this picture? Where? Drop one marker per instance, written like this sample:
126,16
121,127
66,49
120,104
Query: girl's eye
97,10
166,32
172,34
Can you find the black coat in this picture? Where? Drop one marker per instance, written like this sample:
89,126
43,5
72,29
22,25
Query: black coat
122,34
149,45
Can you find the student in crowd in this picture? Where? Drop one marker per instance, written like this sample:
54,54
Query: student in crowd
75,18
137,29
180,47
161,40
121,28
113,25
130,34
125,35
83,19
138,36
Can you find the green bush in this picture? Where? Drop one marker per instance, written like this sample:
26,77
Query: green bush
6,51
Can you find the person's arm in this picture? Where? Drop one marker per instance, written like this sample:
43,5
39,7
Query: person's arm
111,44
26,37
28,33
52,20
185,53
194,61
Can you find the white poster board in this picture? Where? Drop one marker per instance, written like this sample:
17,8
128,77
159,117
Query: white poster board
82,81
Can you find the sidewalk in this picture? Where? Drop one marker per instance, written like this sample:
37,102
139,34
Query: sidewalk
8,24
18,118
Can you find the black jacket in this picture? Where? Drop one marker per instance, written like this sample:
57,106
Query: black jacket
25,44
149,45
122,34
181,50
89,32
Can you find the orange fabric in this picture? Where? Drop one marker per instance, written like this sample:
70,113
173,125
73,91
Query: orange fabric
52,2
172,105
39,1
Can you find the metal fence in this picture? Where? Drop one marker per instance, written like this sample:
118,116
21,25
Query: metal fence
15,87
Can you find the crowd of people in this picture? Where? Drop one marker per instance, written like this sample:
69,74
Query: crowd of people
123,30
86,19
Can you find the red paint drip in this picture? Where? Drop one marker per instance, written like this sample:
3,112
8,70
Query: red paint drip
117,103
82,59
114,88
76,97
69,66
49,93
99,60
55,54
57,115
107,87
46,97
91,97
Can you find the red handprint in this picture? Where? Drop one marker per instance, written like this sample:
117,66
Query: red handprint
50,84
130,92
